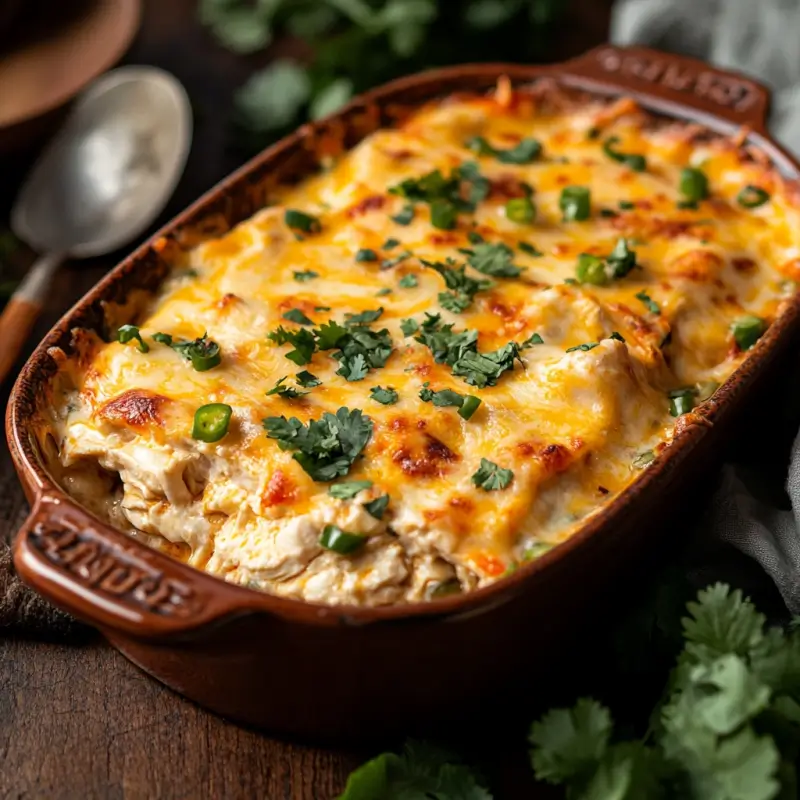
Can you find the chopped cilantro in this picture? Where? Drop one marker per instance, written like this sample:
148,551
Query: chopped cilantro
353,368
365,317
388,263
204,353
617,336
494,259
600,271
382,292
386,397
636,162
376,507
324,448
409,326
307,380
491,477
648,301
626,205
322,308
296,315
463,288
285,391
467,405
529,249
128,333
408,281
342,542
523,153
366,254
532,340
298,220
306,275
583,347
443,215
329,334
404,216
345,490
643,459
302,341
575,203
390,243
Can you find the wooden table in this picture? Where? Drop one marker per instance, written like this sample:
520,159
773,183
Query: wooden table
78,720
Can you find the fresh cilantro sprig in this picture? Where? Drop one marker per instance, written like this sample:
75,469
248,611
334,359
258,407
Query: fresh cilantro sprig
324,448
462,288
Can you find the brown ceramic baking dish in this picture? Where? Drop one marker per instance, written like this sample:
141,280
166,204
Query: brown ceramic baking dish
339,671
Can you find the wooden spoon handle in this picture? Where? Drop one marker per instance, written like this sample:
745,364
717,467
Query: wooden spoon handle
23,309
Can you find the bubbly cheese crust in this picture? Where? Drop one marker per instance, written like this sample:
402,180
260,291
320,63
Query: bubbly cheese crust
574,426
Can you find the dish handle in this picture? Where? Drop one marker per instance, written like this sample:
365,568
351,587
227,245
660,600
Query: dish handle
105,582
675,80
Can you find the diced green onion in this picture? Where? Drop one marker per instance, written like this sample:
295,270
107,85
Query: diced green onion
575,203
635,161
521,210
211,422
681,401
643,459
443,215
591,269
342,542
204,353
748,330
693,185
752,197
469,406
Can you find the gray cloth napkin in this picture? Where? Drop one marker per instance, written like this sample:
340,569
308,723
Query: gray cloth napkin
759,39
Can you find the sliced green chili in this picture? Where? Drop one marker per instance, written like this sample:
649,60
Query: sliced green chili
748,330
693,185
575,203
211,422
752,197
521,210
681,401
443,215
591,269
342,542
443,588
635,161
469,406
299,220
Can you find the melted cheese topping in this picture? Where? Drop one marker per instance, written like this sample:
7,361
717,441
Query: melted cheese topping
569,425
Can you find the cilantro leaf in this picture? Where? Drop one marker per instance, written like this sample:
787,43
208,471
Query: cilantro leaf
408,281
128,333
386,397
648,302
307,275
329,334
532,340
494,259
485,369
272,97
523,153
302,341
405,216
296,315
421,772
409,326
364,318
285,391
307,380
491,477
377,507
463,288
346,490
353,368
568,743
324,448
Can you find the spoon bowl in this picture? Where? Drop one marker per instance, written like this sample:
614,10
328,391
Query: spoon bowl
100,182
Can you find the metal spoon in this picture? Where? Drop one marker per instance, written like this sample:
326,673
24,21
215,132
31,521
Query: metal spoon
101,181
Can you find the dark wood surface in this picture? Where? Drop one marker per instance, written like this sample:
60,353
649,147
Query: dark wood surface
77,720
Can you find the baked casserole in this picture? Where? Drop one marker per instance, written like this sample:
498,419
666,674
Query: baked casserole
435,359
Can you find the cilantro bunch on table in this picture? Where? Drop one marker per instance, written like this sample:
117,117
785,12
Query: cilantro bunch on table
727,727
348,46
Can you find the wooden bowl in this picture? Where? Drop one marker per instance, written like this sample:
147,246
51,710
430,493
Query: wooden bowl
43,66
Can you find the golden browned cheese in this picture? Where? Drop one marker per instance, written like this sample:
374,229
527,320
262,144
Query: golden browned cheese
574,425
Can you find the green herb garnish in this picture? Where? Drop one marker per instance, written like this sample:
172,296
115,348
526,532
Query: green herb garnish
306,275
302,341
636,162
521,210
128,333
493,259
584,348
693,185
204,353
467,405
491,477
390,243
463,288
643,459
408,281
529,249
325,448
681,401
532,340
307,380
388,263
404,216
523,153
648,301
386,397
296,315
365,254
342,542
377,507
285,391
345,490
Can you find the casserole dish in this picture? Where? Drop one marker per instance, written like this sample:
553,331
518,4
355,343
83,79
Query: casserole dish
257,657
